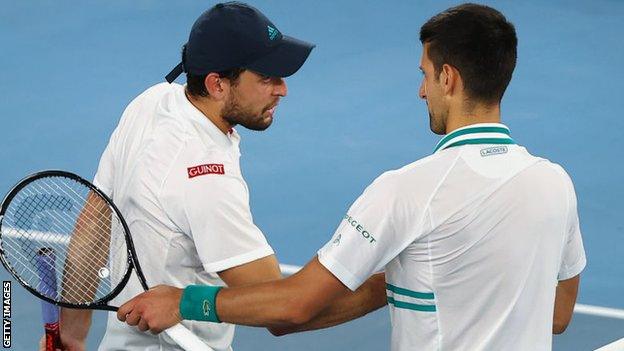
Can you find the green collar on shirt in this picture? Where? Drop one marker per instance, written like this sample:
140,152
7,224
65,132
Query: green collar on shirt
483,133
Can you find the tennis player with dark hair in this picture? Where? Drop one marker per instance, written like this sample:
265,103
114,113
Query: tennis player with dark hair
480,242
172,168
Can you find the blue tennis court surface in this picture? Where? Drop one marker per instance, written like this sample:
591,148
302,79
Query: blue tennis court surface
69,69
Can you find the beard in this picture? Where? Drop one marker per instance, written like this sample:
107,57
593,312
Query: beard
437,122
235,113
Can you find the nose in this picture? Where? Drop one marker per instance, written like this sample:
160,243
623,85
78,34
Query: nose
279,87
422,92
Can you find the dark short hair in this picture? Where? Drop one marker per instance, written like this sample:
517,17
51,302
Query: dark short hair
478,41
196,87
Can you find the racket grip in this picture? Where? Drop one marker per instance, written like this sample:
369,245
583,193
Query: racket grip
47,285
52,337
185,339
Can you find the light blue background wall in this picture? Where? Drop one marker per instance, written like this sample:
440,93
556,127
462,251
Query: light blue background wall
69,68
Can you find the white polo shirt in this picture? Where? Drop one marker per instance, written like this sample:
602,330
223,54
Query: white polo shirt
473,239
177,181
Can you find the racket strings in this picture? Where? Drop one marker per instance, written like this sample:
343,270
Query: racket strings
78,226
47,236
27,270
81,283
41,206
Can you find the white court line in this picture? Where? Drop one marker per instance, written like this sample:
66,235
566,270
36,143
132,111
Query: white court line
614,346
289,269
598,311
35,235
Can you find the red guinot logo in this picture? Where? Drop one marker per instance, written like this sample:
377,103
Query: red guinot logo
214,168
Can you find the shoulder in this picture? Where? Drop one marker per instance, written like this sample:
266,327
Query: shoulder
550,170
156,92
559,175
414,180
152,100
428,169
140,112
173,128
559,170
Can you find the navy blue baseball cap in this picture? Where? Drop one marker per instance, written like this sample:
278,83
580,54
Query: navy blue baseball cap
235,35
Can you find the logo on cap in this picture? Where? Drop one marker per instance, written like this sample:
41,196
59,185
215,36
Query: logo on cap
272,32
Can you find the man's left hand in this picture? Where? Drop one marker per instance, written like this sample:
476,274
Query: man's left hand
155,310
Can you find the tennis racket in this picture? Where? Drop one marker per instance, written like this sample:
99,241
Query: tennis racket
59,215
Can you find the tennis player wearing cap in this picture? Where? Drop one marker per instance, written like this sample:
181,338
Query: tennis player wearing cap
172,168
480,241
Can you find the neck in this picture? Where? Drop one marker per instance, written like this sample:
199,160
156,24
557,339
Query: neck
211,110
478,114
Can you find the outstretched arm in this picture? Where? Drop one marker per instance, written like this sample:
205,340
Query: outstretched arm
312,298
354,304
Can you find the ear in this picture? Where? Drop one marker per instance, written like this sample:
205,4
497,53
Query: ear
216,86
450,79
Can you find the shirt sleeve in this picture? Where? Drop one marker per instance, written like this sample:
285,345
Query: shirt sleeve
105,176
377,227
209,200
573,258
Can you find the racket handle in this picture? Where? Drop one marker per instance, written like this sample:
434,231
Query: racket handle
52,337
185,339
46,259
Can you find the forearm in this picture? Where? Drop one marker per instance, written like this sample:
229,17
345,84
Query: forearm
367,298
75,323
268,304
88,248
565,299
293,301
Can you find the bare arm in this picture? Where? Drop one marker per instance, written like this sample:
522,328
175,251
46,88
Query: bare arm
354,304
293,301
565,298
259,271
281,304
75,326
87,248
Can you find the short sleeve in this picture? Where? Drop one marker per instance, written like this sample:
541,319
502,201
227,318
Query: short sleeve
377,227
573,258
104,177
208,199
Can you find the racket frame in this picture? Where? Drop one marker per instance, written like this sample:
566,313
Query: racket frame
133,264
